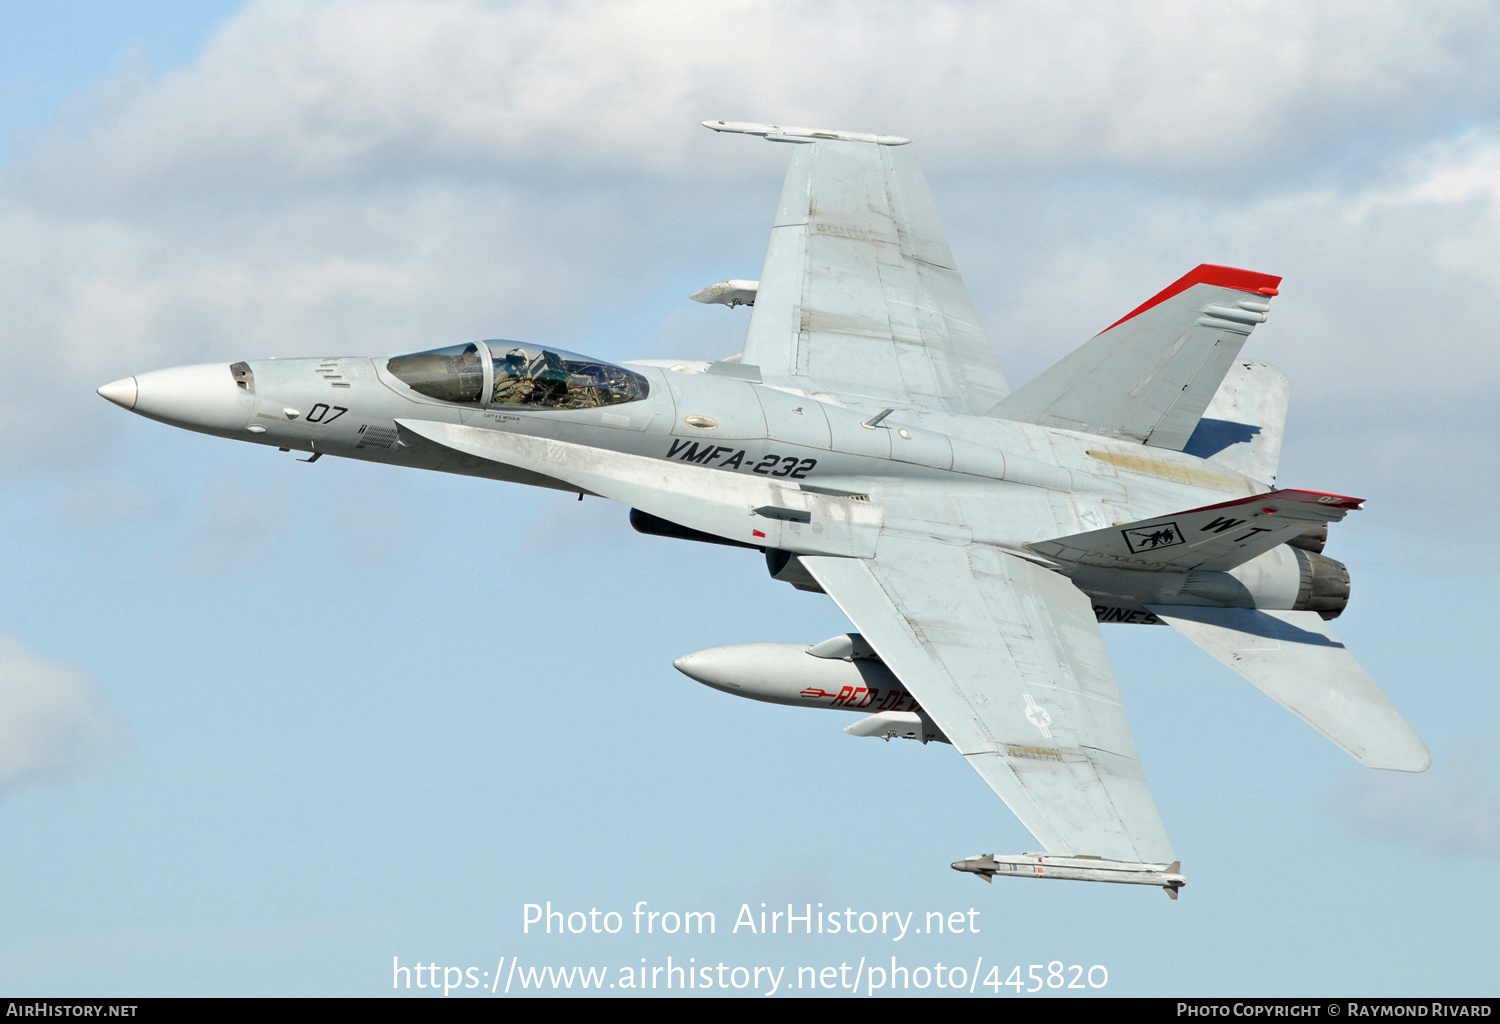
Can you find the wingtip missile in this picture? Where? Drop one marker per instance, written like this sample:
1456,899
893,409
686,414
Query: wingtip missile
786,133
1076,869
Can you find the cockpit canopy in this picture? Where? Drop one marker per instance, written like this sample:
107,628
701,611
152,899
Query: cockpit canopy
511,373
554,379
453,374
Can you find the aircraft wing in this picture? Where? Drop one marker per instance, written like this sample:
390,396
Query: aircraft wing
859,293
1006,657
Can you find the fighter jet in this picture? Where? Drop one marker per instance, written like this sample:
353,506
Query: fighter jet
865,440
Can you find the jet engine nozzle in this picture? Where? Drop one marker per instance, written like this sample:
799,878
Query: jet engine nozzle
1324,585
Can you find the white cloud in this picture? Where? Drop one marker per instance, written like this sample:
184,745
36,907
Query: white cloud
52,718
324,90
372,176
90,299
1443,173
1389,282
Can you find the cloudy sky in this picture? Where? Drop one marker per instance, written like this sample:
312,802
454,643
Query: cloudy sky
264,726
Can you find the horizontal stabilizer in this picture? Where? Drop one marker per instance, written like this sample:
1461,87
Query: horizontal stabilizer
1215,537
1295,659
1149,376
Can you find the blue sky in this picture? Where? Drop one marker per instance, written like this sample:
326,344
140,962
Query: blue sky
265,726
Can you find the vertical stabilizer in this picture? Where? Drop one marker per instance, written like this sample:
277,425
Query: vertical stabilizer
1149,376
1242,427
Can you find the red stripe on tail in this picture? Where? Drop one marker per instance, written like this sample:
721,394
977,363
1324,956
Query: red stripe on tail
1206,273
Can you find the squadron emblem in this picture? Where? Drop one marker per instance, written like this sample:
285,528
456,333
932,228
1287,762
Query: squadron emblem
1151,538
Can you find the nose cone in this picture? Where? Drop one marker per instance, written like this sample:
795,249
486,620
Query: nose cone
723,668
202,397
690,666
121,392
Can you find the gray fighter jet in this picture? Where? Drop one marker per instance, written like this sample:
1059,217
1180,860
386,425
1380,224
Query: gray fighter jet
866,441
